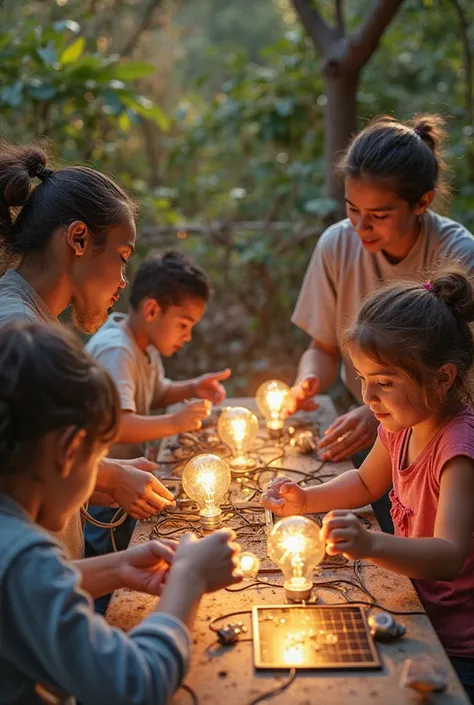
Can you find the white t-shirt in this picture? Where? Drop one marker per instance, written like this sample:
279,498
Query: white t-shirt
342,273
139,376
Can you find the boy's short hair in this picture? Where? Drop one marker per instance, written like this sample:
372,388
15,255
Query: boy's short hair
169,277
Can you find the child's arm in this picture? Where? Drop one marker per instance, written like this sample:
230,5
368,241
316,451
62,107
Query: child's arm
440,557
352,489
58,640
135,428
204,387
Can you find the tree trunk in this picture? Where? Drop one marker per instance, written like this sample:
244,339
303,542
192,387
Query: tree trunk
344,56
340,123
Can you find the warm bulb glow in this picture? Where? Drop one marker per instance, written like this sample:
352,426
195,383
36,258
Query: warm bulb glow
249,564
272,398
238,428
296,546
206,479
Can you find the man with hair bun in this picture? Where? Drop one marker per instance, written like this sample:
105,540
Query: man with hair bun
65,243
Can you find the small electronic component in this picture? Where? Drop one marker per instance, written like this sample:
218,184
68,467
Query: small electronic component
304,441
230,633
383,627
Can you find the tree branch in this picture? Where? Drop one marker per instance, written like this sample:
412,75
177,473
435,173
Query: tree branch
145,24
340,16
318,30
468,97
365,40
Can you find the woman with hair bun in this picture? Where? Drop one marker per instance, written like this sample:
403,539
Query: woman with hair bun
65,243
392,172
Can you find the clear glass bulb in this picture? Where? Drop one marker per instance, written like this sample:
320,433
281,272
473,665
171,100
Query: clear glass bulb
296,546
206,480
238,427
272,397
249,564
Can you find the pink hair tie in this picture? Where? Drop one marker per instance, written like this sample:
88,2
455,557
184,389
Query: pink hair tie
428,286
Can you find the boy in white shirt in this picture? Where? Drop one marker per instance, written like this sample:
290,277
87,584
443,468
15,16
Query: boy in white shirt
168,297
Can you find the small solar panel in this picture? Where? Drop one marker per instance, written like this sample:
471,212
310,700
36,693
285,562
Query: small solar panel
313,637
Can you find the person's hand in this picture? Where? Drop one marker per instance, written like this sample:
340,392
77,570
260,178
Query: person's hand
208,386
348,434
284,497
144,568
102,499
211,561
344,533
301,395
191,416
137,491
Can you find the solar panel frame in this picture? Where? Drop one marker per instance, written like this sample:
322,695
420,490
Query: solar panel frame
302,637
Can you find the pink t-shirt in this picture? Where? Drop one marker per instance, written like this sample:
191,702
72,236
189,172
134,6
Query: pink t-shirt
415,494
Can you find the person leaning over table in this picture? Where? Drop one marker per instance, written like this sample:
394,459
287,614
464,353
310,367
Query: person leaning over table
73,233
392,172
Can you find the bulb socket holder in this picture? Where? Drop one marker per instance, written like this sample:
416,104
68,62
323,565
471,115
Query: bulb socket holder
298,595
210,524
275,433
242,465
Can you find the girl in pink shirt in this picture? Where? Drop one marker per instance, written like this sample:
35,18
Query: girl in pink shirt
413,349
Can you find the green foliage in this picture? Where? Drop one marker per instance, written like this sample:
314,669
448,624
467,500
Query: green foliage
53,86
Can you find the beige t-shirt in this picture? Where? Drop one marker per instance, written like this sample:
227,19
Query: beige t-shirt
342,273
139,376
19,300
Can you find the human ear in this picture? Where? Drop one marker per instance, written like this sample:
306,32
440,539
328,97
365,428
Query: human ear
68,448
151,309
77,237
446,377
425,202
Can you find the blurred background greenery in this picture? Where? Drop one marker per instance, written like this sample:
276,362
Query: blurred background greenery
218,117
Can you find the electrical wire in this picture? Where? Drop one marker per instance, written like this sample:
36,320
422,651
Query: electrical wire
275,691
191,692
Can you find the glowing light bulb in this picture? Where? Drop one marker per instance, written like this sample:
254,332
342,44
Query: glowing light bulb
272,397
296,546
206,479
249,564
238,428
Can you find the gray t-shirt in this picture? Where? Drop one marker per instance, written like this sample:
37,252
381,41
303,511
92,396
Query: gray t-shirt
139,376
342,273
18,300
49,633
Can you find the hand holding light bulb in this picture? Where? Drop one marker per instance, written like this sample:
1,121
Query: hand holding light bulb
284,497
211,562
344,533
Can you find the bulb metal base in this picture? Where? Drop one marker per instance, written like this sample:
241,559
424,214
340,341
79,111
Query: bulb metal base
209,524
295,595
242,465
274,433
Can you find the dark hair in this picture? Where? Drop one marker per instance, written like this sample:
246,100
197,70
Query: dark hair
49,382
29,215
417,328
406,156
169,277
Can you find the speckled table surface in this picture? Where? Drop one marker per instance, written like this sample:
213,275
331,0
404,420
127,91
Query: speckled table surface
226,674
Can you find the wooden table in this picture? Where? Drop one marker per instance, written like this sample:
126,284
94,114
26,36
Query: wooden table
227,676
